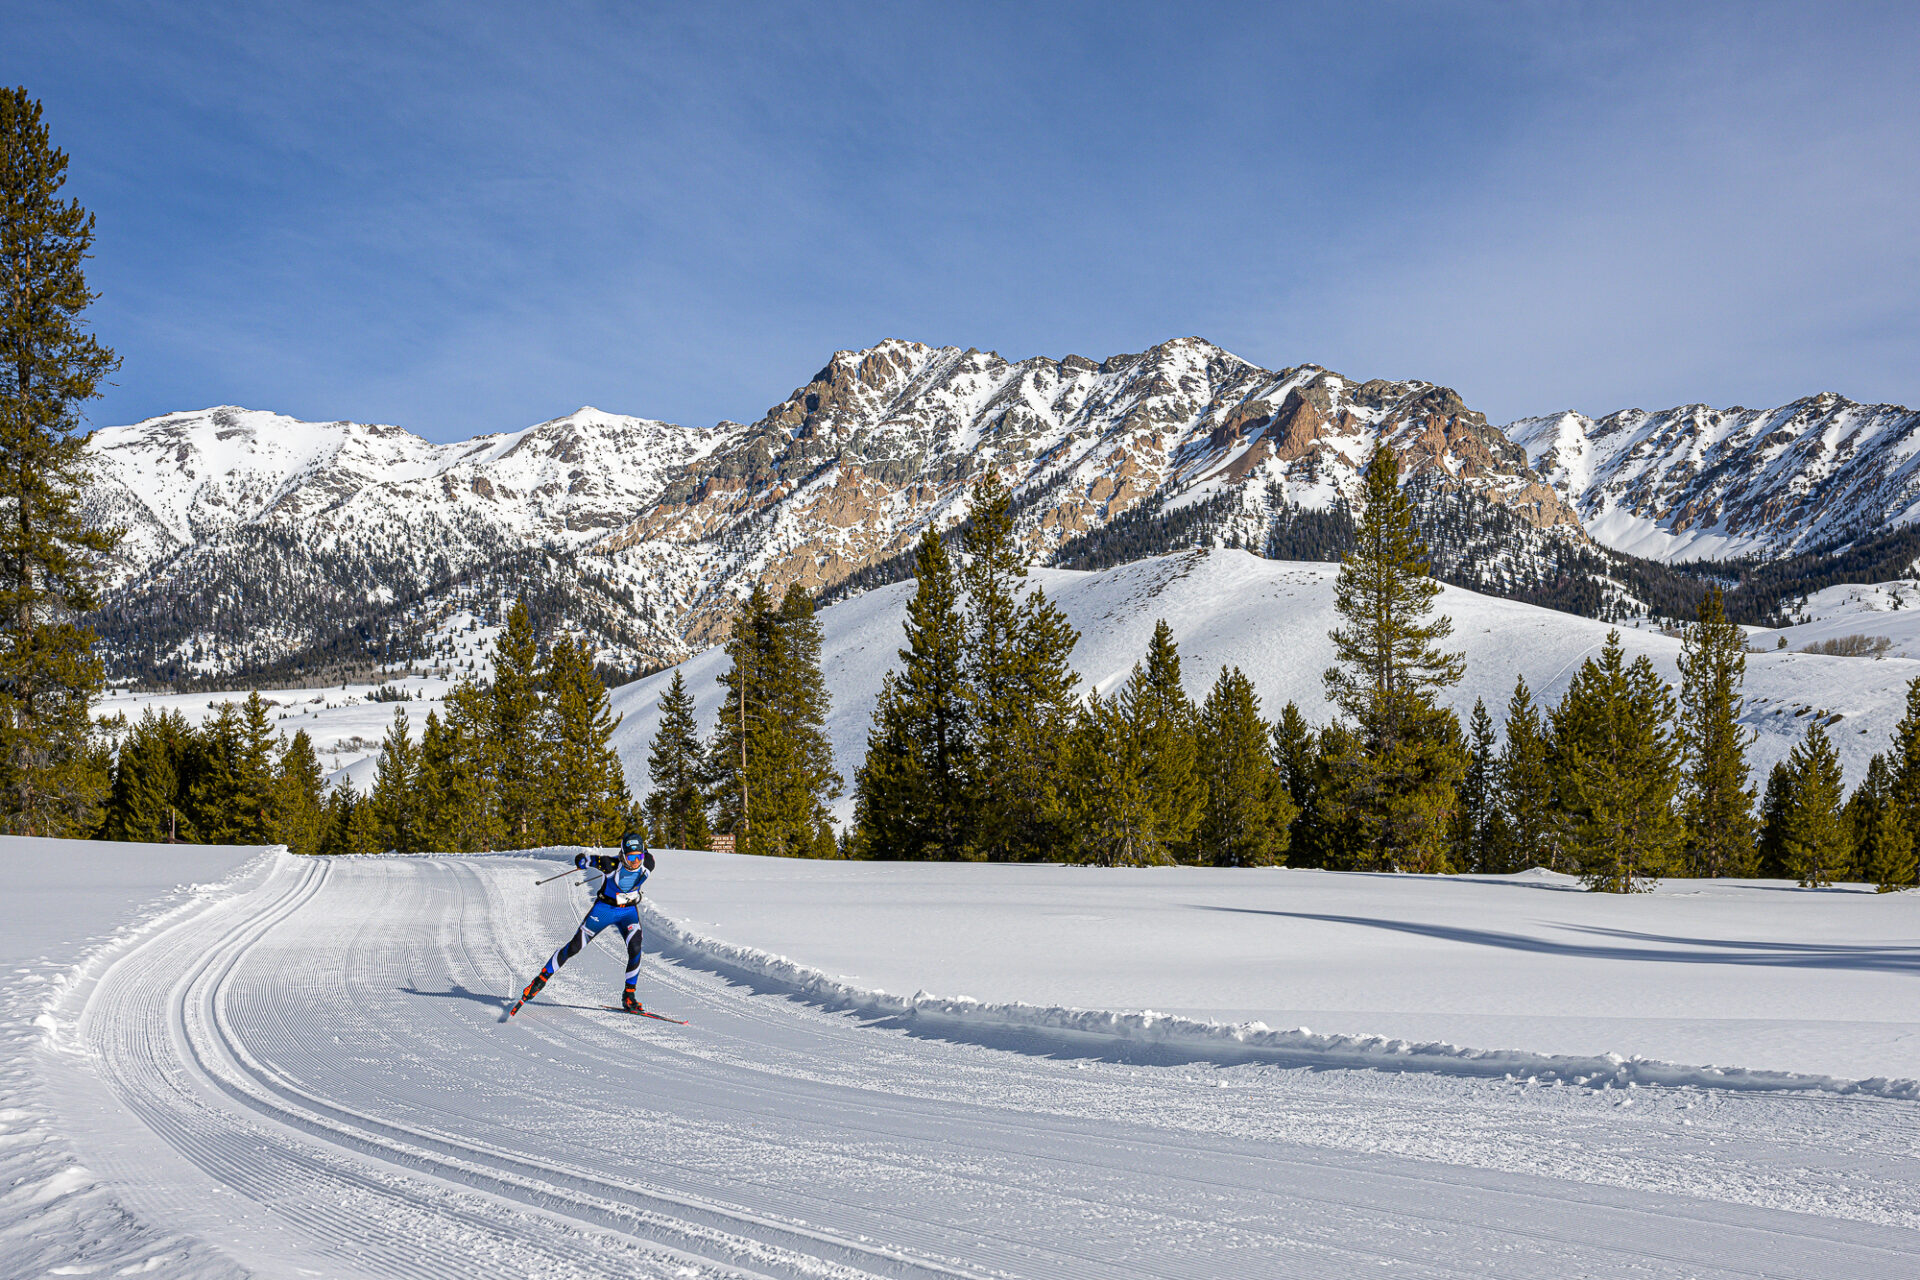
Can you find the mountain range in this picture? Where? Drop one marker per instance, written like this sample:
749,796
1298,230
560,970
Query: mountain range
260,546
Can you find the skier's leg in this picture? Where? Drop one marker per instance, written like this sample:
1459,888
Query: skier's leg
589,927
630,932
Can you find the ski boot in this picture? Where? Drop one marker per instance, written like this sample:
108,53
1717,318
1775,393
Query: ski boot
533,989
631,1003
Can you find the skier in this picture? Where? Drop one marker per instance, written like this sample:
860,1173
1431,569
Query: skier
617,904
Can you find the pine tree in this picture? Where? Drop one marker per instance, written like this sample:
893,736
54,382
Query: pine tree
1814,841
676,810
912,796
396,783
1532,832
1773,821
1716,800
336,833
1396,785
587,801
1163,721
299,812
1477,809
1297,752
1862,812
1904,764
435,807
771,784
1107,799
1248,814
255,781
1022,686
147,783
742,737
1616,770
215,799
515,743
464,807
50,561
1890,861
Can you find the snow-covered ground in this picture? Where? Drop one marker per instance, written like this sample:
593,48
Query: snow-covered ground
1752,974
305,1073
1270,618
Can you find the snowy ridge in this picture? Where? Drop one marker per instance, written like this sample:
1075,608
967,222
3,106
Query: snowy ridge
1696,482
1227,1044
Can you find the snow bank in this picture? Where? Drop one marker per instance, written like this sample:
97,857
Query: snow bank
1240,1042
72,908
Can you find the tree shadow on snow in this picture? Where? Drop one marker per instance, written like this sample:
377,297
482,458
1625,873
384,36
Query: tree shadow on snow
1668,949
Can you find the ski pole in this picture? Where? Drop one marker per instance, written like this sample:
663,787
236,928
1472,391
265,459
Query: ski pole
550,879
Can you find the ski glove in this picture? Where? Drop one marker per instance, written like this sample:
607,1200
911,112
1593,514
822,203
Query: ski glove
626,899
580,861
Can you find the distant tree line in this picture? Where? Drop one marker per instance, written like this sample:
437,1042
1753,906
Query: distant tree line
520,761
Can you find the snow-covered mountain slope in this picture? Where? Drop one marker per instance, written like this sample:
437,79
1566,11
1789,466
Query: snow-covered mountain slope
305,1072
1697,483
652,532
881,442
1270,618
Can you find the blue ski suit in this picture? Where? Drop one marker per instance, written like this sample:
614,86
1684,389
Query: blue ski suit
616,905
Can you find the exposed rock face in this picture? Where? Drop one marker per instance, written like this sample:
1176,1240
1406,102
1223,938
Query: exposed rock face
669,525
849,468
1698,483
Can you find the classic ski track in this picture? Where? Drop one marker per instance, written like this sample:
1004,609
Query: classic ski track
192,1022
219,1076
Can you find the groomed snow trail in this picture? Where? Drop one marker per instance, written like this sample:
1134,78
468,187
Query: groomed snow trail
312,1078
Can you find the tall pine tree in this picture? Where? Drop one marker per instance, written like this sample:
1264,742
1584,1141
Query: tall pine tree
1296,750
1814,841
51,781
1162,719
148,787
1616,770
516,743
1716,800
1018,646
676,809
299,811
1247,815
587,800
1107,797
1396,781
769,764
1904,786
1476,818
396,789
1533,828
912,795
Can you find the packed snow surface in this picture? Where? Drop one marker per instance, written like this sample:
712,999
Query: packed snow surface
303,1070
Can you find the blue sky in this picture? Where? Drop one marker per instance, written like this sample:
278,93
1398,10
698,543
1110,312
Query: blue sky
472,217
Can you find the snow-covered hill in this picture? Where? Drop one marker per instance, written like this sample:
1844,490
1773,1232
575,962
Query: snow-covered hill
1697,483
1271,618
